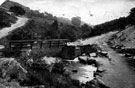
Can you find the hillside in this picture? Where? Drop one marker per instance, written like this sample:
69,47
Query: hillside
34,66
34,14
20,22
6,19
125,38
46,26
7,4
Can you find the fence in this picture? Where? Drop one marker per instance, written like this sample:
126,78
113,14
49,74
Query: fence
20,44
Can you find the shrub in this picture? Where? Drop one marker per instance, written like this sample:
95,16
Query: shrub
17,10
6,19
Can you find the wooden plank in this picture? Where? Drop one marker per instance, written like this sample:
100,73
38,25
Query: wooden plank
39,40
50,43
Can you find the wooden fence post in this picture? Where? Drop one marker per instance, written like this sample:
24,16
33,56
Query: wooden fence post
58,43
50,44
31,45
10,45
41,44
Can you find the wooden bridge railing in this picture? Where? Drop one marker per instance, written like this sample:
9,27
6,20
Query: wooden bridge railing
19,44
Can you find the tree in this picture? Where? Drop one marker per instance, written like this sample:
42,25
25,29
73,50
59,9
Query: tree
17,10
76,21
55,25
68,33
85,30
22,33
132,16
132,12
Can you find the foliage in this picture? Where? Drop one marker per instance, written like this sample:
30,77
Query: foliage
76,21
132,16
85,31
17,10
22,33
6,19
68,33
43,30
55,25
50,79
11,69
36,14
117,24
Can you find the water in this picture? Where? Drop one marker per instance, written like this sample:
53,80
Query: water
84,73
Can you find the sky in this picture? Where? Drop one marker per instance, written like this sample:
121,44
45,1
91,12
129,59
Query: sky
91,11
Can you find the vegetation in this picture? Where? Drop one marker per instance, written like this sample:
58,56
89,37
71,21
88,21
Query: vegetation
46,26
38,73
17,10
86,31
34,74
22,33
76,21
6,19
45,30
117,24
131,17
49,79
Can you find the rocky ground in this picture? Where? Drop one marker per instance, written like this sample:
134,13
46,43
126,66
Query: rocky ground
103,69
124,39
119,69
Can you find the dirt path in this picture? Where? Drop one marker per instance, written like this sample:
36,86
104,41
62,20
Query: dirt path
118,73
20,22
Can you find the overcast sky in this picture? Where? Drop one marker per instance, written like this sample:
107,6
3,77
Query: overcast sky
102,10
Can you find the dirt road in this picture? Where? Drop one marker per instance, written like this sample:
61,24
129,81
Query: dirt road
20,22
